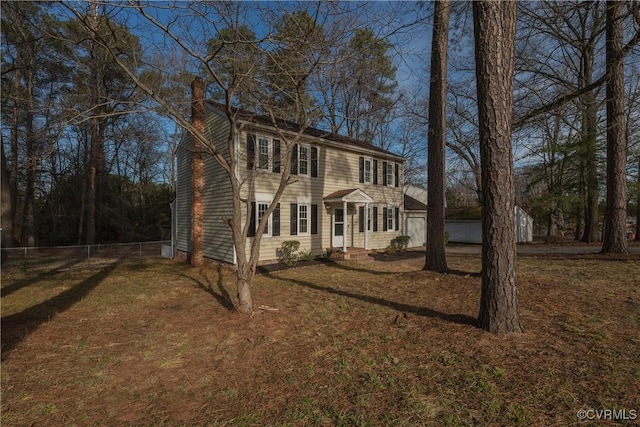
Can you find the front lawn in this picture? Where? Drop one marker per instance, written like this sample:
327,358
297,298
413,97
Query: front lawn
155,342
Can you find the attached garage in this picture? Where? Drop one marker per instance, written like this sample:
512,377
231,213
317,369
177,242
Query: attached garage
416,229
415,215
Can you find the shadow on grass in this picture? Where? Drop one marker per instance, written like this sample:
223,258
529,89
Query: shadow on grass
412,254
461,319
16,286
222,297
343,265
17,327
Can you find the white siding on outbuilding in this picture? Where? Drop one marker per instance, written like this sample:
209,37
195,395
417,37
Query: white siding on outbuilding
470,231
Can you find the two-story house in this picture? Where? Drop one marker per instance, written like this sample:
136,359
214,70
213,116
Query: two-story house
347,193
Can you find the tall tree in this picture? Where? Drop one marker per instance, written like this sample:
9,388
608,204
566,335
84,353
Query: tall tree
236,56
357,89
299,45
436,258
100,96
494,33
615,220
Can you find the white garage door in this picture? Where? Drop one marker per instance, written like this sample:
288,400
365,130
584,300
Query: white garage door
416,230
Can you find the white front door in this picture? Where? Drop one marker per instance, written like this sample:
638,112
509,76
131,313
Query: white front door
337,228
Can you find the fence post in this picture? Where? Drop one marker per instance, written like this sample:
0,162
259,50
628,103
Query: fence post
88,252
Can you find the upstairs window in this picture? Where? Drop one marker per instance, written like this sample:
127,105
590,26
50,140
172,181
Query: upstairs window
263,154
389,173
365,175
303,159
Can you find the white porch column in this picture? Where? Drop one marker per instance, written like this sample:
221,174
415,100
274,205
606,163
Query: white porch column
366,225
344,227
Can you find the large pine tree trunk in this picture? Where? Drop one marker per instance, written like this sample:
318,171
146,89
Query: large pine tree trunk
436,259
494,32
615,225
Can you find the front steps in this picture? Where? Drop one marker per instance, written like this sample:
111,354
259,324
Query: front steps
352,254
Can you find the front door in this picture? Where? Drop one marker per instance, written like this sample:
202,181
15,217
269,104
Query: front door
337,228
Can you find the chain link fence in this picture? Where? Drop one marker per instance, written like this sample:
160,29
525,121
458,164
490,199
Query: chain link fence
32,256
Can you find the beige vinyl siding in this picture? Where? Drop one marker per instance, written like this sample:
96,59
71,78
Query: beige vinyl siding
217,199
183,198
338,169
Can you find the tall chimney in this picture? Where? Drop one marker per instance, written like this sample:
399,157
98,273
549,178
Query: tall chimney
197,172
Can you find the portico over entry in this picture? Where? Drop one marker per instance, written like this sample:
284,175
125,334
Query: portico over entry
341,203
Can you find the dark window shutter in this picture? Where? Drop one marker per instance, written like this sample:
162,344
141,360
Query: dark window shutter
314,161
252,221
294,160
374,220
276,156
384,219
384,173
361,177
375,172
397,218
294,219
397,174
275,216
251,151
314,219
361,219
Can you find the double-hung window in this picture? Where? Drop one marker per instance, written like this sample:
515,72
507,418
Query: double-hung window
303,159
389,173
367,170
258,211
365,174
263,154
390,218
303,219
261,209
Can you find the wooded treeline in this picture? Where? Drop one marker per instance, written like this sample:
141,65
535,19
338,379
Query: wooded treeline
82,163
559,117
87,158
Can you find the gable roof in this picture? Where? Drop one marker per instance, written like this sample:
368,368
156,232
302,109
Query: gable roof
411,204
349,195
286,125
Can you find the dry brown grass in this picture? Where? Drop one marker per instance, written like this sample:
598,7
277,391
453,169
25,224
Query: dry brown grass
382,343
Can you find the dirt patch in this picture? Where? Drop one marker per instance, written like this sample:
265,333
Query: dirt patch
155,342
